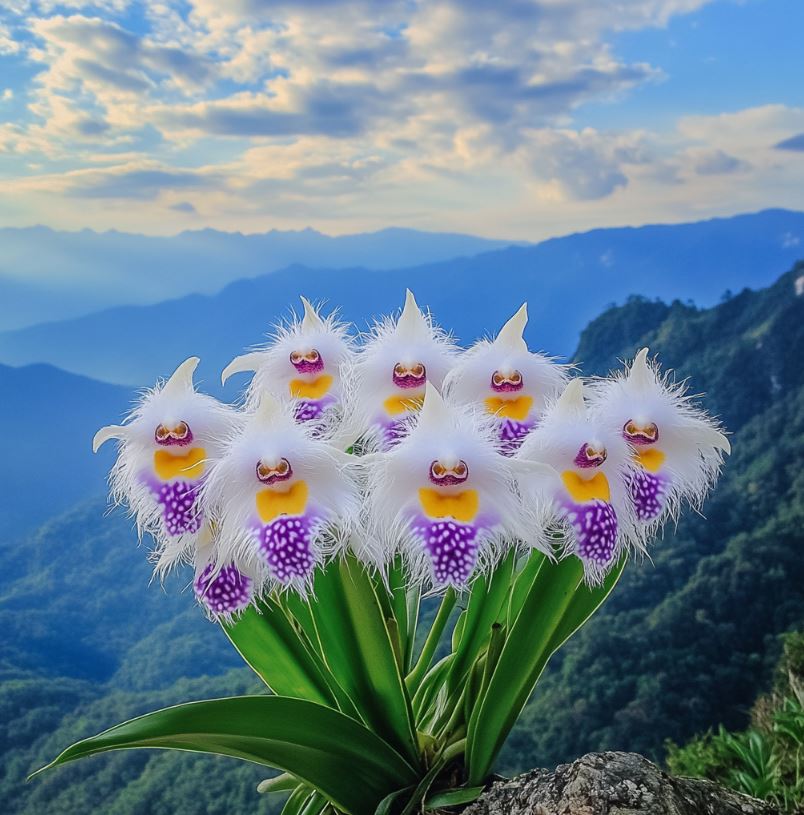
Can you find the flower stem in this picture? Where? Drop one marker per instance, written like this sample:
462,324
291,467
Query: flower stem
422,665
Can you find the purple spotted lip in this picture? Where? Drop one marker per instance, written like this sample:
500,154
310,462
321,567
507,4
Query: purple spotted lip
227,592
636,434
589,456
309,362
179,435
414,376
507,383
274,473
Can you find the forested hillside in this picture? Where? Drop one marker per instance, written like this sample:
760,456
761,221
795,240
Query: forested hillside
685,643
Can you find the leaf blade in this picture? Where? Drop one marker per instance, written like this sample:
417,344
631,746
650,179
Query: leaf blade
324,749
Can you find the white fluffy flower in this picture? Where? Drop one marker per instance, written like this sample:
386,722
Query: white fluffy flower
443,496
509,381
586,489
390,373
165,449
303,362
281,498
677,448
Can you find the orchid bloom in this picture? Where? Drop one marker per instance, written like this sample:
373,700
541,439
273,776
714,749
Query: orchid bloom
512,383
586,491
677,448
281,499
165,447
443,496
390,374
222,589
303,363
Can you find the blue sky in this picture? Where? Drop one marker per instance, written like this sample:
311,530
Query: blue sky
518,118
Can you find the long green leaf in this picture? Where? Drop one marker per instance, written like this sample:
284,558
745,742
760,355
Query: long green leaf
274,649
357,646
452,798
342,759
486,602
524,655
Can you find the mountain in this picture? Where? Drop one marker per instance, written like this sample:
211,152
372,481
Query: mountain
567,282
689,637
48,418
50,275
685,642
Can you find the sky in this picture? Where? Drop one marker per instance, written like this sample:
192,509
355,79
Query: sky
506,118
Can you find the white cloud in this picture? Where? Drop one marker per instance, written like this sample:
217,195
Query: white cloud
363,112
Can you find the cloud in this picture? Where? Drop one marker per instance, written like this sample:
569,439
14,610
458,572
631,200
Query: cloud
715,162
795,143
363,112
138,183
185,207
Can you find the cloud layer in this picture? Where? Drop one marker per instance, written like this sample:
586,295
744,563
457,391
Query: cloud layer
354,114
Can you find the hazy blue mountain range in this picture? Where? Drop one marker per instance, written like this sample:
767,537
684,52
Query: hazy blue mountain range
50,275
48,418
567,282
685,642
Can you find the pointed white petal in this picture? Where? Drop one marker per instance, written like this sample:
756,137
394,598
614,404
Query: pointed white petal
511,334
571,400
112,431
245,362
311,320
716,439
411,321
182,377
641,373
434,410
267,408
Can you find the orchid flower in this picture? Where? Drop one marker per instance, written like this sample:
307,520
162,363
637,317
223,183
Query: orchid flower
222,589
443,496
511,382
303,362
390,373
677,448
165,447
586,490
281,499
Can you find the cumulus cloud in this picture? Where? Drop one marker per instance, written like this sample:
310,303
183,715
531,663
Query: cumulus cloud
356,109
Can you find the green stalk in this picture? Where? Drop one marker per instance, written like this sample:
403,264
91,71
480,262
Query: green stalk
414,678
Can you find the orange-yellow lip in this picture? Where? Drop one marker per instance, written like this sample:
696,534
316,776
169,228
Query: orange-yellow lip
190,465
462,506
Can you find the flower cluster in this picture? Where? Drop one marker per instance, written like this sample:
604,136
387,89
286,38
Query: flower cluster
454,457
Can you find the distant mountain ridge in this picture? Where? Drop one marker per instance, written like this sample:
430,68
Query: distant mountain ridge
567,282
48,418
50,275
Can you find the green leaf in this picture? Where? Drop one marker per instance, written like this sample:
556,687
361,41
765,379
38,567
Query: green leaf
486,602
453,798
358,650
524,655
342,759
276,652
298,798
419,671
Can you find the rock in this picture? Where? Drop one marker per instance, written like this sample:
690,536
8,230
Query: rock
612,784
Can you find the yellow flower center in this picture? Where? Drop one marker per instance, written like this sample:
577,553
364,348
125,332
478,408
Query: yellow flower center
273,503
583,489
650,459
302,389
517,409
462,506
190,465
396,405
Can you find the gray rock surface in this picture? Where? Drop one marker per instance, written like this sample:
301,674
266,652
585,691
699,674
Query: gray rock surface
612,784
